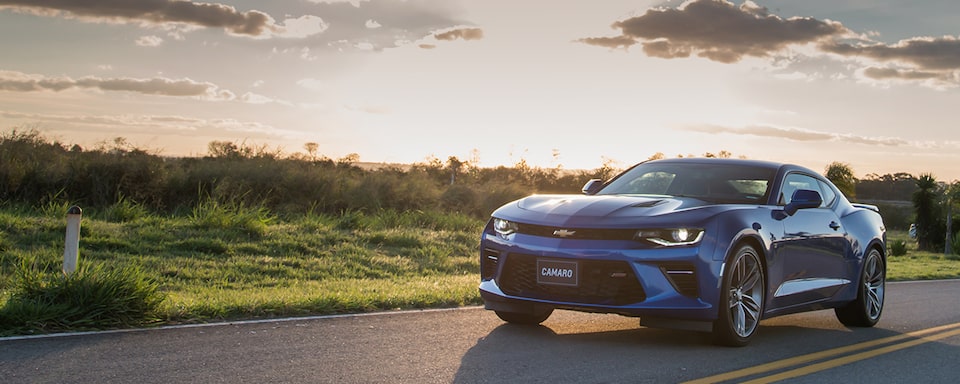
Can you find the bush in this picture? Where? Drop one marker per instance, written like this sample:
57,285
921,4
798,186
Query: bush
94,298
124,210
898,248
212,214
956,245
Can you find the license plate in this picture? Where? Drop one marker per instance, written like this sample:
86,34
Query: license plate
558,272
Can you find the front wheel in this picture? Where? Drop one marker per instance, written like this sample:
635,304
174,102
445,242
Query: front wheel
866,309
524,318
741,300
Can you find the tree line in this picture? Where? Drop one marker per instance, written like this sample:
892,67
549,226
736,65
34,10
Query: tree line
35,171
932,203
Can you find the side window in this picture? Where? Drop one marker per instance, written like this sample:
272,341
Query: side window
829,196
795,181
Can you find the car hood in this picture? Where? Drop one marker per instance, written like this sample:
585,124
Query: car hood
610,210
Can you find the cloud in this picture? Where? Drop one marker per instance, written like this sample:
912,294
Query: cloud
892,73
354,3
151,124
721,31
927,53
717,30
377,25
163,12
460,33
149,41
457,33
795,134
609,42
21,82
933,61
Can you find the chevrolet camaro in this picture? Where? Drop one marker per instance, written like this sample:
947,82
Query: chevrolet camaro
703,244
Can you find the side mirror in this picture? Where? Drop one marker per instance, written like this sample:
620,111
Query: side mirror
803,199
592,186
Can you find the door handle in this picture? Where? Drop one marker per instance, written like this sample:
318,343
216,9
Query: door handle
834,225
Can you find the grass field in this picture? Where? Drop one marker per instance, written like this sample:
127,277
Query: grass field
218,265
233,262
920,265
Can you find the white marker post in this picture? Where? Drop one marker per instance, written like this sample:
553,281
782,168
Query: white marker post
71,251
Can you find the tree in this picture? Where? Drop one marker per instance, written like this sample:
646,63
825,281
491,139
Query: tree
348,159
223,149
311,149
925,204
454,164
841,175
952,196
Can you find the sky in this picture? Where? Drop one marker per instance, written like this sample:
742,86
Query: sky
874,84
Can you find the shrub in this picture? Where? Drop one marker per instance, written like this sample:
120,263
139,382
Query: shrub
459,198
212,214
124,210
956,246
898,248
91,298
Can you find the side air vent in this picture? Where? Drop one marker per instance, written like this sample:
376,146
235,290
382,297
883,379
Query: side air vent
647,204
683,277
489,260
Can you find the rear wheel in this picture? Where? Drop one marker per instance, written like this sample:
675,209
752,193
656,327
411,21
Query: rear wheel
741,300
866,309
524,318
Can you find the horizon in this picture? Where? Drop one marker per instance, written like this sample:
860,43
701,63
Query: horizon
427,160
575,86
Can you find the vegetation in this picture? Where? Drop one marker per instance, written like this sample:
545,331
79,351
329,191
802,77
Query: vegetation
221,269
841,175
91,298
34,171
247,232
924,201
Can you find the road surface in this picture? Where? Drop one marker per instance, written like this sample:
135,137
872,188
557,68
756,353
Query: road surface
916,341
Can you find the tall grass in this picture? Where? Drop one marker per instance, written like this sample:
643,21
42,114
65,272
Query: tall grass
94,297
214,214
210,266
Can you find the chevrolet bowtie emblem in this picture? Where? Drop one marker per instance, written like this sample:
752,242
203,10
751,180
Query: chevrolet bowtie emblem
563,233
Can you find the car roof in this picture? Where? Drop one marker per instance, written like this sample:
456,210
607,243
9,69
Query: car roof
715,160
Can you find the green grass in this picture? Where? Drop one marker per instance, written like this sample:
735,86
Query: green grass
223,261
920,265
211,266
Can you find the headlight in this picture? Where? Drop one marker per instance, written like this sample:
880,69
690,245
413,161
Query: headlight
504,227
671,237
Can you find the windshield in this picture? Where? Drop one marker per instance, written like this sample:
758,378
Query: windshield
719,183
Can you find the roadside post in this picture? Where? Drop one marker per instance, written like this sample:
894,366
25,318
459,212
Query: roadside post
71,251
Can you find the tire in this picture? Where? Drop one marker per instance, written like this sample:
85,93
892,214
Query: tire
524,318
741,299
865,311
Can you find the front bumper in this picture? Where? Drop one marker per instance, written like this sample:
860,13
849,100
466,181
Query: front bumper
672,283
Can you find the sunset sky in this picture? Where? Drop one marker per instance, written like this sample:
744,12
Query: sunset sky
871,83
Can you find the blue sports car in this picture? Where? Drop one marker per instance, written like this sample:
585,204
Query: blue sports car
704,244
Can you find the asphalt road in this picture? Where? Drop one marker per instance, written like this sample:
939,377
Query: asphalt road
916,341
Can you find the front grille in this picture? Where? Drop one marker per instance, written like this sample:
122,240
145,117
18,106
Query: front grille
683,277
602,282
577,233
